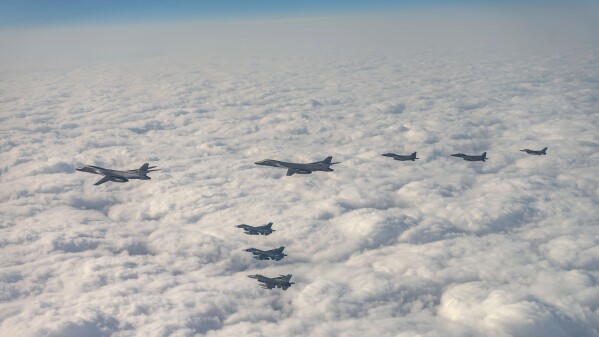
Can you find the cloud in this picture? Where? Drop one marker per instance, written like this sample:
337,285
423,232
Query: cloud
436,247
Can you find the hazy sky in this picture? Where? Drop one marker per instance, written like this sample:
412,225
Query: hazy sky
42,13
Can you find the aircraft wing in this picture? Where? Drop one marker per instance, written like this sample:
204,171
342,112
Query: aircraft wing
262,256
267,285
103,180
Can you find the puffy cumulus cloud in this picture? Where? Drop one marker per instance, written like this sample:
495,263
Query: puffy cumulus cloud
508,312
436,247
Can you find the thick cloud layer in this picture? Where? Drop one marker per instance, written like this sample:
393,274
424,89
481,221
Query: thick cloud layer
436,247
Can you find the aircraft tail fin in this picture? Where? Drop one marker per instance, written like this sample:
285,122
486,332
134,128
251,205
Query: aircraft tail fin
328,161
146,168
286,277
413,156
484,155
544,150
268,225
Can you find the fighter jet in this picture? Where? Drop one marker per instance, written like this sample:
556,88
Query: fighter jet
482,157
273,254
118,176
400,157
535,152
276,282
293,168
260,230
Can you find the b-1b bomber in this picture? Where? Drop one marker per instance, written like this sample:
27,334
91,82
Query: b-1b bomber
400,157
273,254
536,152
482,157
276,282
118,176
293,168
259,230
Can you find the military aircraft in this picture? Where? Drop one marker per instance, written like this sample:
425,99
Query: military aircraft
482,157
259,230
276,282
118,176
535,152
400,157
273,254
293,168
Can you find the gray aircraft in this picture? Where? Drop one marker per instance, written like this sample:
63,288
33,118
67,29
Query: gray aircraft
273,254
482,157
276,282
293,168
400,157
118,176
535,152
259,230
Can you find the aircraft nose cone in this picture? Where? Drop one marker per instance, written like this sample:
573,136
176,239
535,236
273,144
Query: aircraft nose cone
248,249
253,276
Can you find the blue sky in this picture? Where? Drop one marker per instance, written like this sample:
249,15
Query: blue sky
65,12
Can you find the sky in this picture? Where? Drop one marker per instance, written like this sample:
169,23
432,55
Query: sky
435,247
35,13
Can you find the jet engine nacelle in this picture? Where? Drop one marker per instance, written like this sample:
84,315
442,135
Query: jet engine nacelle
303,171
119,179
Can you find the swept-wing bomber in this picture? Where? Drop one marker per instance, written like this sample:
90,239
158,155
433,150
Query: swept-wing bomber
276,282
482,157
118,176
259,230
273,254
400,157
536,152
293,168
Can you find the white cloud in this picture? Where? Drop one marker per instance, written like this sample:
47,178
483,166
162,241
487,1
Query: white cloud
436,247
